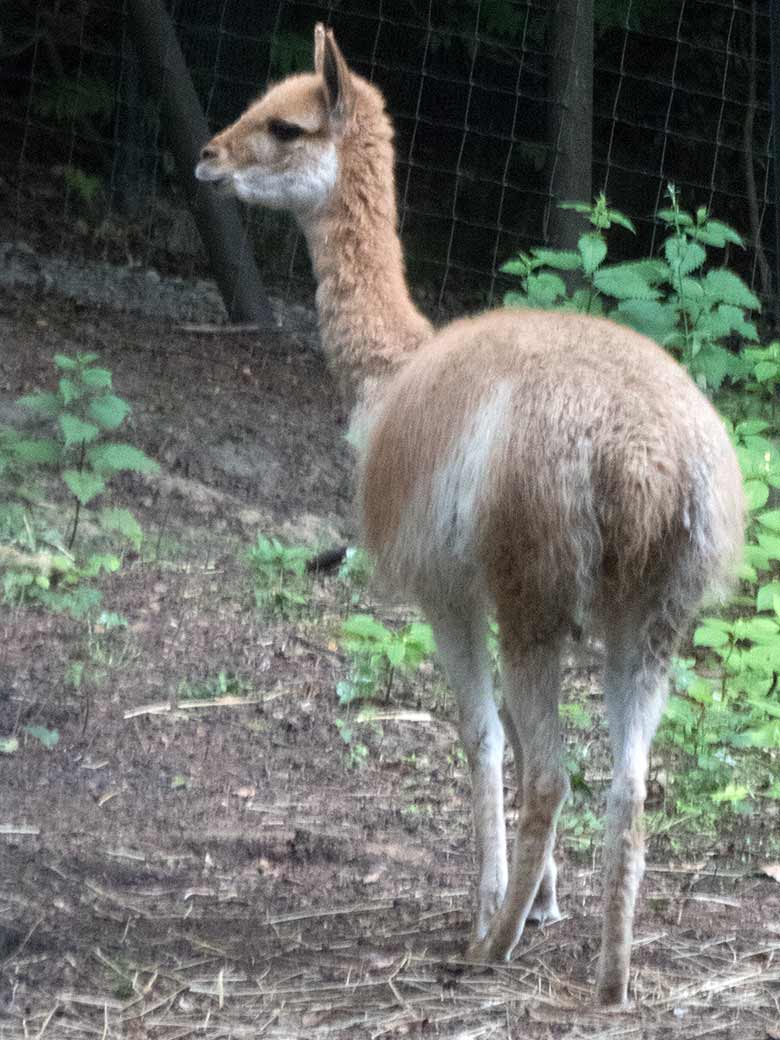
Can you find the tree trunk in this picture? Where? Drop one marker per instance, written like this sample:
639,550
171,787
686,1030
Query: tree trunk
571,124
185,125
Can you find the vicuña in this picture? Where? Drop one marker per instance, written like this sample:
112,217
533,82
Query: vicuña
556,470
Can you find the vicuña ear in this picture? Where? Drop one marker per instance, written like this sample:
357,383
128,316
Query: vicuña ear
319,48
330,64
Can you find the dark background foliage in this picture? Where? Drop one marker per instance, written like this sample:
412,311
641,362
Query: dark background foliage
87,168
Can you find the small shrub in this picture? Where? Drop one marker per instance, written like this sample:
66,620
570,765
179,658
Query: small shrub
40,561
279,573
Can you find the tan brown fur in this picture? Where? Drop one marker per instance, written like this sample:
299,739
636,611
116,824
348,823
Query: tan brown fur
559,470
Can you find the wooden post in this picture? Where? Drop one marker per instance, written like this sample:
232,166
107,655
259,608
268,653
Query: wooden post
216,216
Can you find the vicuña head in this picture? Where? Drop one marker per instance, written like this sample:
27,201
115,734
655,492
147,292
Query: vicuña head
321,146
557,470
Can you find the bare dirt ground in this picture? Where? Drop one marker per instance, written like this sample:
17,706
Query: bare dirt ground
177,867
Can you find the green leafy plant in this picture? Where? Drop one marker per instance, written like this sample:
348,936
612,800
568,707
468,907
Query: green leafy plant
677,298
354,574
720,736
377,654
85,185
39,560
83,410
223,684
279,573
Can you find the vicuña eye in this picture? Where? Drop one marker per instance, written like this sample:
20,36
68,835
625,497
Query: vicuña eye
284,131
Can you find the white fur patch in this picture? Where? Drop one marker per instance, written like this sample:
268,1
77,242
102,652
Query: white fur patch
434,546
459,482
300,189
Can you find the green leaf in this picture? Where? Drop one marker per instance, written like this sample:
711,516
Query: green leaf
651,317
559,259
714,363
765,597
770,519
85,485
75,430
592,249
705,635
770,543
577,207
731,793
108,411
621,220
38,452
110,458
420,635
44,404
69,392
96,378
766,736
756,494
65,363
732,319
761,630
123,522
47,737
728,287
545,289
766,370
365,627
683,256
624,282
395,652
97,562
715,233
751,427
671,216
518,267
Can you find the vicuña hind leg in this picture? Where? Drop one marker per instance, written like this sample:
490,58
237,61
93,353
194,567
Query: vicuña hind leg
545,906
635,692
461,640
531,678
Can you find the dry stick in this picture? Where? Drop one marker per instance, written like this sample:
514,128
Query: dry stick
46,1021
228,330
219,702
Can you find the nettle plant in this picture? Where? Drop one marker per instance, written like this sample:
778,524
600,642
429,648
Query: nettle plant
83,413
677,299
279,576
722,725
377,655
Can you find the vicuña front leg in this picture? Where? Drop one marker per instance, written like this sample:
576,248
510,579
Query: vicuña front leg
461,640
531,676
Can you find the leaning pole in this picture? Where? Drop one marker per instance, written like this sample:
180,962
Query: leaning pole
216,216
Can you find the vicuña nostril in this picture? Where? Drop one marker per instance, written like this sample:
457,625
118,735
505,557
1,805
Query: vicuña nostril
209,152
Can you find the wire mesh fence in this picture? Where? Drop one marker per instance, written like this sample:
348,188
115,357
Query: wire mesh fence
680,93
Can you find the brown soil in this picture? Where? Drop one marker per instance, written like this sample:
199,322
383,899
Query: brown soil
174,868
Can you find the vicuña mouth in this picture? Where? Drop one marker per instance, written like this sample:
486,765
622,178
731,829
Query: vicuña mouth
205,172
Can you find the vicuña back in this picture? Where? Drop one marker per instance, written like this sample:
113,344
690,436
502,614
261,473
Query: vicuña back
560,471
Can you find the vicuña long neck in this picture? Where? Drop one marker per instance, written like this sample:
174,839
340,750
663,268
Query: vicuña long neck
367,320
